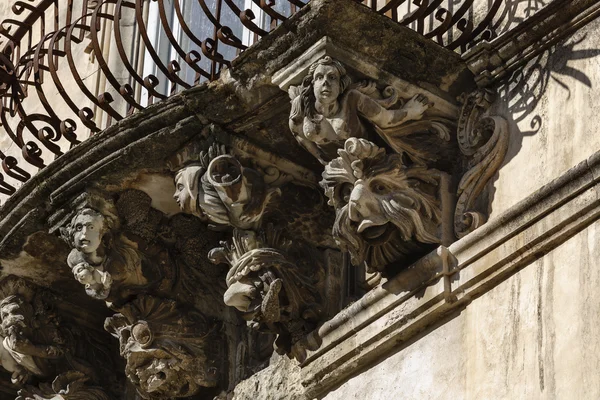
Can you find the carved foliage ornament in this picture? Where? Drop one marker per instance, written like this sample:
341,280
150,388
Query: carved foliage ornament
384,209
272,282
170,351
484,140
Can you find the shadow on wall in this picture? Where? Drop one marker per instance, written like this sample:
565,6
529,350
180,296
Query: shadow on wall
521,94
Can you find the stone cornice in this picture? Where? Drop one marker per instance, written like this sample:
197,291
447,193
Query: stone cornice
448,279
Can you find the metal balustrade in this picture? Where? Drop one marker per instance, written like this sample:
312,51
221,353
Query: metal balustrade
144,51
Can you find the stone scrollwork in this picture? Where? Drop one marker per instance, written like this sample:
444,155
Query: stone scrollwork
483,139
385,210
170,352
327,110
270,281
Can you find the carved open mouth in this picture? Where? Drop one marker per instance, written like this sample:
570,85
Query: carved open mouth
376,235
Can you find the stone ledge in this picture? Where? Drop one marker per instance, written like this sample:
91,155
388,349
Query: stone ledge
448,279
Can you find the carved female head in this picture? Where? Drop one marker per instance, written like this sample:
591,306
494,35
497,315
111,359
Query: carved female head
326,81
187,187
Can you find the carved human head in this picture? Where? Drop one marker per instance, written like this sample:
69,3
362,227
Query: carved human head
382,206
187,186
87,229
170,352
83,272
328,79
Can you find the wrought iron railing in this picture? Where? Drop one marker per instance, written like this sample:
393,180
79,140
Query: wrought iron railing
144,51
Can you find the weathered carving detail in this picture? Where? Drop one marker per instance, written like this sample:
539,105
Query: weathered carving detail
272,281
170,351
484,140
385,209
222,191
103,258
72,385
36,344
327,110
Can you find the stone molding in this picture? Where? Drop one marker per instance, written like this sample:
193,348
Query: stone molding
448,279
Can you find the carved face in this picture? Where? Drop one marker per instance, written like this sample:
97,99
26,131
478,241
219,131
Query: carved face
326,84
186,188
87,232
166,349
383,208
83,272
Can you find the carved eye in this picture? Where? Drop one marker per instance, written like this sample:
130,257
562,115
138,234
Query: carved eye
78,227
91,227
379,188
332,77
180,187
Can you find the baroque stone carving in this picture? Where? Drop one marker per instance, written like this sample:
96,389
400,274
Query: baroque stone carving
72,385
483,139
327,110
170,352
103,258
272,282
385,210
36,343
219,189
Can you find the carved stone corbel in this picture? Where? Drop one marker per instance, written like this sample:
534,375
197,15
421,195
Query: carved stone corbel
327,109
483,139
273,282
385,211
72,385
170,351
37,345
219,189
103,258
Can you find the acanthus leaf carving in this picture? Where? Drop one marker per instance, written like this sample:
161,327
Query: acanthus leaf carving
484,140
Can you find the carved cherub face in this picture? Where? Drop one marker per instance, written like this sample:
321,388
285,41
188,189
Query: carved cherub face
326,83
88,229
381,205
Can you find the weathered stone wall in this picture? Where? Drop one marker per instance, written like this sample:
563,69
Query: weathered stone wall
535,336
554,106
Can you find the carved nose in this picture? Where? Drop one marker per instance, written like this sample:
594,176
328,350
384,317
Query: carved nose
354,211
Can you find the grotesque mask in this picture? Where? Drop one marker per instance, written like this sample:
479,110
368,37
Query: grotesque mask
384,209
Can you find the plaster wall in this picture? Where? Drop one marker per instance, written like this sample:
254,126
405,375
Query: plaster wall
552,107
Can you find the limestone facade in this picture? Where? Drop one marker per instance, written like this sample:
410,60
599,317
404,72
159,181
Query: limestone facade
350,209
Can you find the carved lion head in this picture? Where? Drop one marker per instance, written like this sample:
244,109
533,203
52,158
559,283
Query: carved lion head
384,209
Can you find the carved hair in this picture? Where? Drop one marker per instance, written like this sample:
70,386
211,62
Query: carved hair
109,222
304,104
